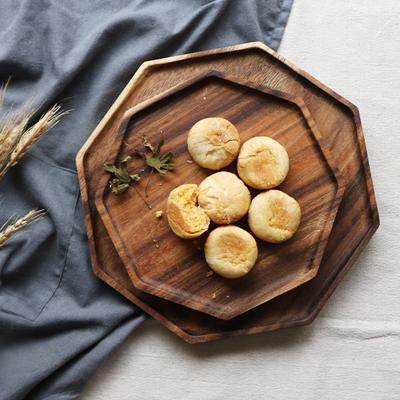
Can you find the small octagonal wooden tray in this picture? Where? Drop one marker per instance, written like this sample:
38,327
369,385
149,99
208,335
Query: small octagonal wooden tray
162,264
340,126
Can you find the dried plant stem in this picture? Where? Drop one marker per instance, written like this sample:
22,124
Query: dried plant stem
148,183
11,229
15,136
15,139
11,131
3,89
142,197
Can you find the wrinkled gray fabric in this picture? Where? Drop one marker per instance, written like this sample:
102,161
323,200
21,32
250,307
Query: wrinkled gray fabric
57,320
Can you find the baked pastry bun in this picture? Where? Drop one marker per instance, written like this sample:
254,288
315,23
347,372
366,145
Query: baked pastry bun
185,218
263,163
224,197
274,216
213,143
230,251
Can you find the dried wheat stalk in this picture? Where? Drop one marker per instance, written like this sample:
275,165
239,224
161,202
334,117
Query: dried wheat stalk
20,223
15,140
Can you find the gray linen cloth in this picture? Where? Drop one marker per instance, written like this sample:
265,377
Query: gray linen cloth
57,320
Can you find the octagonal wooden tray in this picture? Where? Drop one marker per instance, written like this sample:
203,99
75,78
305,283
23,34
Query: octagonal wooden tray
338,120
162,264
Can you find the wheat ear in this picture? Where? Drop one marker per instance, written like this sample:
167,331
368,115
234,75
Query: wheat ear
12,127
20,223
30,136
15,137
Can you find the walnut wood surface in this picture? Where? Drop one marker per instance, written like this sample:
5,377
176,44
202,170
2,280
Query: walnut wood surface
162,264
340,126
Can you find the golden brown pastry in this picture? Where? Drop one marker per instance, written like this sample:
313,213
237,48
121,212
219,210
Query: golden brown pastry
224,197
213,143
263,163
185,218
274,216
230,251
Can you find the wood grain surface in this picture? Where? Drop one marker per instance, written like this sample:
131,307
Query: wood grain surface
340,127
162,264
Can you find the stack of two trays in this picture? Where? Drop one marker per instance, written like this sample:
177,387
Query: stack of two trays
262,94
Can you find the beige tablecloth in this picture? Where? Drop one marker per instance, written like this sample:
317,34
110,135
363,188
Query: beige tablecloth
352,350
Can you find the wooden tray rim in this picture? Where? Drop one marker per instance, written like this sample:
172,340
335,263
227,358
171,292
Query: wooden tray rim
119,243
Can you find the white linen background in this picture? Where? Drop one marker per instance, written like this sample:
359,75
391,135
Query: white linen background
352,350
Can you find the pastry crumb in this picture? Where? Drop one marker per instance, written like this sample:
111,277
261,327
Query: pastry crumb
158,214
214,295
209,273
228,296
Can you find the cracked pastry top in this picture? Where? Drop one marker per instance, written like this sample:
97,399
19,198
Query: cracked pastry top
213,143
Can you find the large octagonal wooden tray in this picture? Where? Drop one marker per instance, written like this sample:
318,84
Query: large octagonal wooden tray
162,264
339,123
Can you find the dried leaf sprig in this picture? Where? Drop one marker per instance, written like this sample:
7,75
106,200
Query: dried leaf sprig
152,156
121,179
11,229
